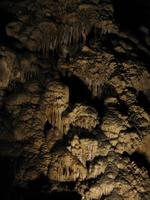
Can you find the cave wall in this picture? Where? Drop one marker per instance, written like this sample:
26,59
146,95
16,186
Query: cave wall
74,99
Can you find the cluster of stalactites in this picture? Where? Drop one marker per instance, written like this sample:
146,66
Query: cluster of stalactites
55,119
55,102
57,37
94,86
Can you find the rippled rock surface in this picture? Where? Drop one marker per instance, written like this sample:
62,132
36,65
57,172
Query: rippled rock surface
74,100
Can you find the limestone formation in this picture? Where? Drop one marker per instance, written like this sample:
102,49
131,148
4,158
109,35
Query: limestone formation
94,70
74,101
81,116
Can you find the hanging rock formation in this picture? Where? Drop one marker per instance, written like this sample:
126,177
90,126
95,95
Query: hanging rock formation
93,141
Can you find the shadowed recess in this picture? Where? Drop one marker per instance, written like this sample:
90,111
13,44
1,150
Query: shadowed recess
65,195
132,14
35,194
141,160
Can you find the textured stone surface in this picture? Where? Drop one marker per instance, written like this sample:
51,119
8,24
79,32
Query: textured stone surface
74,100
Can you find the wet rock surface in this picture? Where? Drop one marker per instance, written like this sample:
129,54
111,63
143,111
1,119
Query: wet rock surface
74,102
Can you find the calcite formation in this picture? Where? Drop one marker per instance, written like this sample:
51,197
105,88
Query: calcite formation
54,105
82,116
95,71
79,140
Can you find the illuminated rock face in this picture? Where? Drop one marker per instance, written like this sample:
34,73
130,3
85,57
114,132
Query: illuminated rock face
80,137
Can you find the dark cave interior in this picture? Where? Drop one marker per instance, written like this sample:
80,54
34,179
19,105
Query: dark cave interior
141,160
131,15
34,188
80,93
55,195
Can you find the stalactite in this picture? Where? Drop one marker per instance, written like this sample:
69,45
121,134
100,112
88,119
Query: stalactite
86,124
48,38
50,118
29,72
93,90
89,83
67,172
59,120
94,86
64,129
55,118
74,28
90,152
